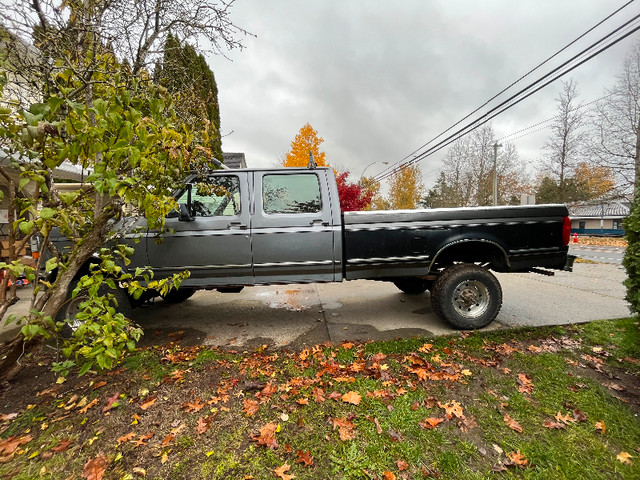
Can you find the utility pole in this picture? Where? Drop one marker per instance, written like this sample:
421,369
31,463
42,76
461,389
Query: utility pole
495,172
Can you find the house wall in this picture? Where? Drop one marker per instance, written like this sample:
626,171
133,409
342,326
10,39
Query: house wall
586,226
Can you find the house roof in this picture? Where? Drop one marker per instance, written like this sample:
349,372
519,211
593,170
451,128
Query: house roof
611,209
234,160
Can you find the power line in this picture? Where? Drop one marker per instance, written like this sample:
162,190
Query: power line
583,105
564,68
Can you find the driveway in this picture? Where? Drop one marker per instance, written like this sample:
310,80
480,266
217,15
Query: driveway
296,315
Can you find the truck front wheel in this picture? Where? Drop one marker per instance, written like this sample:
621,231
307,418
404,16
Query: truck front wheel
466,296
66,316
179,295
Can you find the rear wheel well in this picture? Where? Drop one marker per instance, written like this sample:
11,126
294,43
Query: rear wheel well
484,253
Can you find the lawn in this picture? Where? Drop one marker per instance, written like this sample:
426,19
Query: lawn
549,403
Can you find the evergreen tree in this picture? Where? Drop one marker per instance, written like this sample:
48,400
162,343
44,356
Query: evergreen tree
185,72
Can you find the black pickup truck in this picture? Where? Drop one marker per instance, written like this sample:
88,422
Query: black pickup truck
278,226
237,228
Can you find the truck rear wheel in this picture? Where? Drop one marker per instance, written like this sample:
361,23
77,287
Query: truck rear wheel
466,296
413,286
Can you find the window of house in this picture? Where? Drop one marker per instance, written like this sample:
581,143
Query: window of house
582,225
214,197
298,193
616,224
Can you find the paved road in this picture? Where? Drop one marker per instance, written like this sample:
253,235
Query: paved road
598,253
296,315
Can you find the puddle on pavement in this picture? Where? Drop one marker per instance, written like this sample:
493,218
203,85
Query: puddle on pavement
292,300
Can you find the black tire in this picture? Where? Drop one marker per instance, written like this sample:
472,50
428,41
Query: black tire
466,296
180,295
413,286
66,314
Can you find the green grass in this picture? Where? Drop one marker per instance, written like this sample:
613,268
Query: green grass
479,372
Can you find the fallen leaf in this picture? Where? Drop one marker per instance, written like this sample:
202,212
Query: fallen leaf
566,419
467,423
193,407
168,439
251,407
125,438
141,472
377,424
426,348
92,403
99,385
142,440
387,475
524,382
402,465
601,427
304,457
579,415
203,425
512,424
452,409
351,397
111,402
9,445
517,458
63,445
395,435
345,427
318,395
267,436
94,469
431,423
280,472
548,423
148,403
624,457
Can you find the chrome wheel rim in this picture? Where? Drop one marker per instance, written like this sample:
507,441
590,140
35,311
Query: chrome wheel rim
471,299
72,309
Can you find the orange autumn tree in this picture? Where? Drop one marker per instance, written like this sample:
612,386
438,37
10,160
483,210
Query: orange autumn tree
307,140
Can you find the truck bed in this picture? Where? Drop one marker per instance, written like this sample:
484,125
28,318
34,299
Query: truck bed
399,243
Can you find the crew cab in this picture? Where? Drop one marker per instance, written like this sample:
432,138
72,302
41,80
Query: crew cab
238,228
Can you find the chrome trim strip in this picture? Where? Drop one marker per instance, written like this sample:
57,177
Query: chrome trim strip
389,259
200,233
441,225
295,264
200,267
296,229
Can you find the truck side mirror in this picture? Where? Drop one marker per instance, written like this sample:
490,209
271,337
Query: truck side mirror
185,215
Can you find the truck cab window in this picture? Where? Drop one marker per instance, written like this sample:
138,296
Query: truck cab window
298,193
216,196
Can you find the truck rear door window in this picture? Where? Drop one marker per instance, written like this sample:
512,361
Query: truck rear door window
215,197
298,193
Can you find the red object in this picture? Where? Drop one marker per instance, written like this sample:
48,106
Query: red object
566,230
575,238
352,196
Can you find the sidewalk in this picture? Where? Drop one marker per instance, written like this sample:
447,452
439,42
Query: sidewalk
7,332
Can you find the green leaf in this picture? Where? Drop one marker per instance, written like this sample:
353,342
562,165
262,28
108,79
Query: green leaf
47,213
51,264
26,227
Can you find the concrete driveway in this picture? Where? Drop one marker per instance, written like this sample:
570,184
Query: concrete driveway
296,315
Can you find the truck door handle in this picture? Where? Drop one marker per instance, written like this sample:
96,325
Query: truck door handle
319,222
236,226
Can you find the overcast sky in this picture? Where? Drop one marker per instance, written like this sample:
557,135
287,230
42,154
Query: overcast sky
379,79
